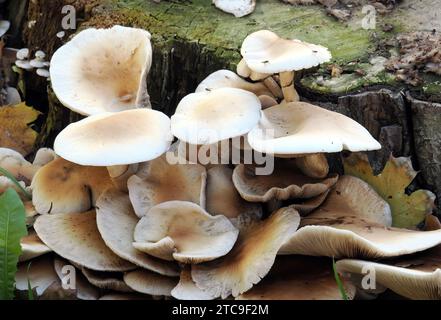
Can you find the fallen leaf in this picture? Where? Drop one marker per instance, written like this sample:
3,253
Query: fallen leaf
15,132
408,211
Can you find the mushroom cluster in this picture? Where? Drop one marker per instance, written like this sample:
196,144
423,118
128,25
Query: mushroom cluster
136,216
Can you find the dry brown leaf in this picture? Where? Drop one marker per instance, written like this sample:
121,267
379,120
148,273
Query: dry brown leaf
15,132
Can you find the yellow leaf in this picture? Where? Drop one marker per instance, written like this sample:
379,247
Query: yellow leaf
15,132
408,211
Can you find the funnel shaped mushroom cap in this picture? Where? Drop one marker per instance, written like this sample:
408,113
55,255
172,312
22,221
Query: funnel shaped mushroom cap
355,222
112,139
251,258
228,79
164,182
116,223
75,237
302,128
420,278
266,52
299,278
106,280
212,116
151,283
190,234
103,70
286,182
187,289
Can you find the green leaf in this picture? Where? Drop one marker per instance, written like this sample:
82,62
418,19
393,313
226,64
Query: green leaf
339,282
30,291
12,229
9,175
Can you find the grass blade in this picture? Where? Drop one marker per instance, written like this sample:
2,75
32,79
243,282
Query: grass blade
339,282
8,175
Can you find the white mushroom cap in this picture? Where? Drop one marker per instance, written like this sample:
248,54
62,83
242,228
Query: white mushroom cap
23,54
228,79
103,70
239,8
43,73
24,64
302,128
213,116
37,63
40,275
4,27
12,96
266,52
40,55
111,139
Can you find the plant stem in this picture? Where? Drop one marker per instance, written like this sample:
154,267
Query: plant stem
287,82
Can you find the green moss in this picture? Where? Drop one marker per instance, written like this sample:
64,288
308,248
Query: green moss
216,29
369,74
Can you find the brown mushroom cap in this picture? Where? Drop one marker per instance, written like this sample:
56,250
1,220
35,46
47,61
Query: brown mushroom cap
75,237
222,197
185,232
419,279
355,222
299,278
65,187
286,182
151,283
251,258
164,182
116,223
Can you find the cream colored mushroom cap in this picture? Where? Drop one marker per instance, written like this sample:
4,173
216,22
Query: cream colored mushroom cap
103,70
303,128
355,222
148,282
111,139
239,8
266,52
193,235
420,278
212,116
32,247
228,79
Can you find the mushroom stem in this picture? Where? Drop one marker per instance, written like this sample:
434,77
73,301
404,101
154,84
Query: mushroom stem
314,165
274,87
120,175
287,83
